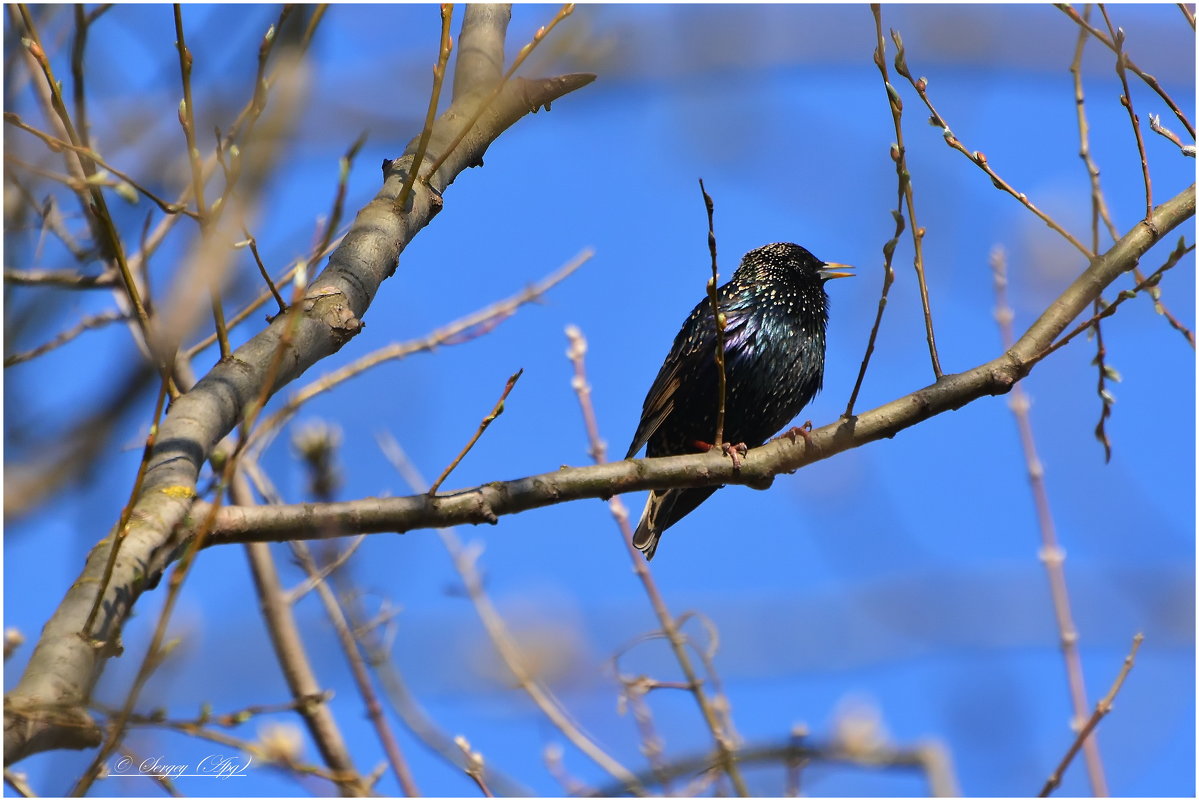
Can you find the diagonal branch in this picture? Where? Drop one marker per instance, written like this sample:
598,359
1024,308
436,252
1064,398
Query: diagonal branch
46,708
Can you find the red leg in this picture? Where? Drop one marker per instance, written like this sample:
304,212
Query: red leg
734,452
801,431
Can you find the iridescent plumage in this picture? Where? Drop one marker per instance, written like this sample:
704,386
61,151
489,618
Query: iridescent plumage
776,311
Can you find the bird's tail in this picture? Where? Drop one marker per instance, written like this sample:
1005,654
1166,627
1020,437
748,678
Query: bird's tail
645,538
662,510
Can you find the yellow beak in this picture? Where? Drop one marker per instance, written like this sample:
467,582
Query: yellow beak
833,269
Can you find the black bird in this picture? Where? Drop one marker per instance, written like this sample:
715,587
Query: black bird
776,310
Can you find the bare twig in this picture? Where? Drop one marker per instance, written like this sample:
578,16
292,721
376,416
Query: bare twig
306,586
496,411
978,158
266,276
443,57
406,707
339,199
465,560
284,632
118,534
903,180
60,278
474,765
905,176
718,320
726,753
201,731
1126,101
103,225
542,32
805,751
362,680
1155,125
86,324
56,144
457,332
1180,250
1105,373
19,783
1099,209
244,313
187,118
1101,709
1051,553
1186,12
1128,62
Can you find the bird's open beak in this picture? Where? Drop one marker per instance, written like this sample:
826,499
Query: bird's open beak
834,270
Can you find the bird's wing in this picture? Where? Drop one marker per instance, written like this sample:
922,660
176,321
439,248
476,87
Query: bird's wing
687,358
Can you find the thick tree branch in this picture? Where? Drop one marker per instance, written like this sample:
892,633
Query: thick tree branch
46,709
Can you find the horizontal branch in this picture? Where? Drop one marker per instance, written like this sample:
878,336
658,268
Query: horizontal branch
930,759
489,502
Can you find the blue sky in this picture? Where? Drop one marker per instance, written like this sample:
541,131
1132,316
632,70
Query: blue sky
903,574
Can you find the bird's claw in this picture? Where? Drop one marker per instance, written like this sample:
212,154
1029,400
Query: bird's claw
735,452
801,431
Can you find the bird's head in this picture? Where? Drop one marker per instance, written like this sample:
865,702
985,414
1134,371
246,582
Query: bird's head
789,256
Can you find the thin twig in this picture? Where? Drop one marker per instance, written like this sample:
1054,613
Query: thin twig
155,652
726,753
1105,373
542,32
339,199
1186,12
377,650
318,14
118,533
465,560
19,782
201,732
57,145
1099,209
443,57
474,765
496,411
719,321
457,332
1144,76
68,279
1180,250
905,176
1101,709
266,276
806,751
362,680
306,586
1155,125
977,157
244,314
187,118
104,225
86,324
1051,553
1126,101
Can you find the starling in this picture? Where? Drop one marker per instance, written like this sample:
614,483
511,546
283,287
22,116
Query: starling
775,310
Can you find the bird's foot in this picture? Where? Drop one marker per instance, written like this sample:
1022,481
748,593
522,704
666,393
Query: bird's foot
735,452
801,431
